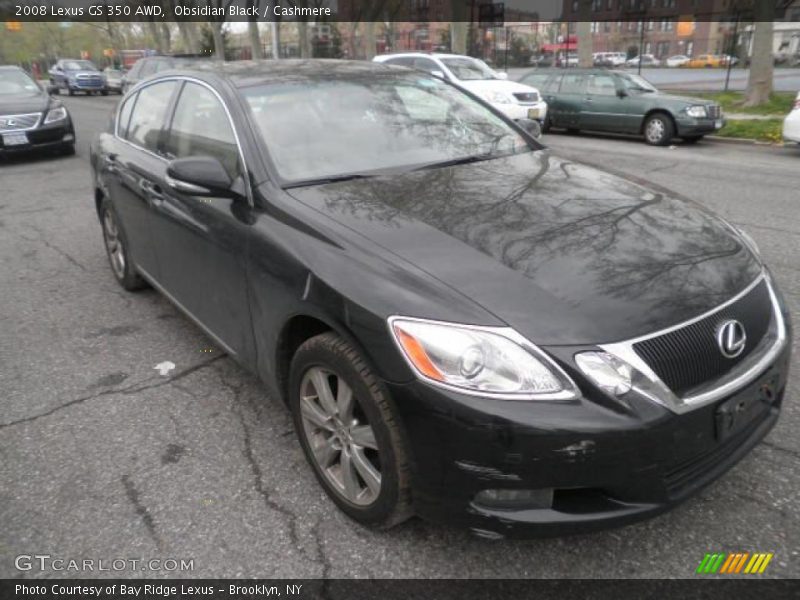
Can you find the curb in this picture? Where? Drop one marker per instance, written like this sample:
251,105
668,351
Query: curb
736,140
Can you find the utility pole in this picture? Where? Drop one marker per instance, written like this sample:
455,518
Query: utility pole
731,50
275,35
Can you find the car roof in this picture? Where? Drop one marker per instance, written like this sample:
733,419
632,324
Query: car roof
425,54
582,71
245,73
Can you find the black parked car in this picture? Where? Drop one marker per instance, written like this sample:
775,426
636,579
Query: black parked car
620,102
464,325
29,117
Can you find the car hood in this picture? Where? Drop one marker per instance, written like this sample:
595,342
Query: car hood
28,102
481,86
561,251
685,99
77,72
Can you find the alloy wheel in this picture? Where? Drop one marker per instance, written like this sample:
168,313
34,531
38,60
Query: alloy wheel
114,247
340,437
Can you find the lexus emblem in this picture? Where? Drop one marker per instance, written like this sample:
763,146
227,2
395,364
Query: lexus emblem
731,338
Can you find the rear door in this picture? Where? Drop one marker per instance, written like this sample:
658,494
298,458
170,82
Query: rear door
202,242
137,166
571,96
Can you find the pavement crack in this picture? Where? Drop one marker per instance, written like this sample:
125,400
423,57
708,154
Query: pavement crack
322,556
789,451
141,510
43,239
133,389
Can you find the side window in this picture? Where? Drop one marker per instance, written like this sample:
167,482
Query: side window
401,61
426,64
201,127
148,68
572,83
601,85
125,116
553,84
149,114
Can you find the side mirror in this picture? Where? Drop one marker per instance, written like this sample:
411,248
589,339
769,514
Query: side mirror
439,74
622,93
200,176
532,127
52,90
502,75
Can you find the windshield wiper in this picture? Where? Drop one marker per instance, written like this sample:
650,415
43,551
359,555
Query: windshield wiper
331,179
464,160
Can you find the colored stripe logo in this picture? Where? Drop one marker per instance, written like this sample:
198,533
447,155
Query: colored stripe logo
734,563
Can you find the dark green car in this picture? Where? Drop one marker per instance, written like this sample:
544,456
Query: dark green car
620,102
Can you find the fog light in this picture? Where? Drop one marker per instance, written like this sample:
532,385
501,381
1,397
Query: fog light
515,499
68,138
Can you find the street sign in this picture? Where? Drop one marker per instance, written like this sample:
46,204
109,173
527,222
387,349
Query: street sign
492,14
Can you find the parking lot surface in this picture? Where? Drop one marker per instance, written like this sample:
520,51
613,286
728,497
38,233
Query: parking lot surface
102,457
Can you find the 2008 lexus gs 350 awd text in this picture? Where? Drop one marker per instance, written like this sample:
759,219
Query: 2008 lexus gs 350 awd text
464,326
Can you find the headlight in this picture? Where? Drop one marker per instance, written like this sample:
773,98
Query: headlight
491,361
497,98
56,114
697,112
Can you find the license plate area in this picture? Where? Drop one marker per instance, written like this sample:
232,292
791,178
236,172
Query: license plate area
718,124
15,139
735,414
533,113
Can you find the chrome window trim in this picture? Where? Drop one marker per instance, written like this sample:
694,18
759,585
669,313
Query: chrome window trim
139,87
38,115
743,374
572,391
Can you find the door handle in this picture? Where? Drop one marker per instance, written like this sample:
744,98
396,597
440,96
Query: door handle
110,161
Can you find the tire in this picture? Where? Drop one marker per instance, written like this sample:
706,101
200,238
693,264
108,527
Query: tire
692,139
104,92
658,129
573,130
70,91
123,270
328,361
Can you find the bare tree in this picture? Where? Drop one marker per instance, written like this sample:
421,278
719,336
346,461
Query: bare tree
584,31
255,39
759,82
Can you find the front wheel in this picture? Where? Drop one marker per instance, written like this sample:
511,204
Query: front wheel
349,431
658,130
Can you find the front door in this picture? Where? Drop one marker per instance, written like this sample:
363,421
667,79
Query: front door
603,109
202,242
571,96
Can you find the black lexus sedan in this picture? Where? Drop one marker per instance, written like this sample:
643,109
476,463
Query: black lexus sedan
30,119
464,326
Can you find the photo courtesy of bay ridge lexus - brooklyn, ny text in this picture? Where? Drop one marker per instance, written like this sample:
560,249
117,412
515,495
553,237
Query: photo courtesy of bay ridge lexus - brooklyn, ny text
399,298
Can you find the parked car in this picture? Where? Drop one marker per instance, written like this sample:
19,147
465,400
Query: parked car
679,60
149,65
621,102
515,100
706,61
543,60
73,75
791,124
113,79
647,60
30,118
463,325
609,59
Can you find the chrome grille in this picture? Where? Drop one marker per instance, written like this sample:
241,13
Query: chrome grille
527,97
19,122
714,111
690,356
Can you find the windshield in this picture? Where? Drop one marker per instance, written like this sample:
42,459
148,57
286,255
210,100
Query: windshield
468,69
16,82
636,83
79,65
334,127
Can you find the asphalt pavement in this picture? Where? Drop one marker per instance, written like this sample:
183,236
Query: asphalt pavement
103,458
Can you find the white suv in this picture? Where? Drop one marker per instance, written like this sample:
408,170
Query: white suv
515,100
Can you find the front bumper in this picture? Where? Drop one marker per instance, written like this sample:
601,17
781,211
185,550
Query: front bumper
53,135
688,126
536,111
607,465
791,127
